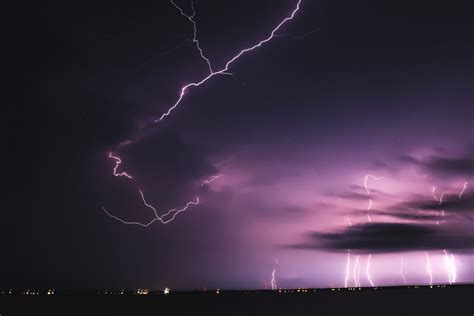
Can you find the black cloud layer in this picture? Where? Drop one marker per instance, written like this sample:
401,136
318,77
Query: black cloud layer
389,237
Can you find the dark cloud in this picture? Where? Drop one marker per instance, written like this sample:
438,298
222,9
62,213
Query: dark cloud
389,237
451,203
411,216
442,165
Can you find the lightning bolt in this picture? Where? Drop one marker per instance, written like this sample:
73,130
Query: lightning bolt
366,180
433,192
428,267
401,271
193,22
211,179
366,186
118,161
348,265
451,267
368,271
463,188
356,272
160,218
449,260
273,281
224,70
212,73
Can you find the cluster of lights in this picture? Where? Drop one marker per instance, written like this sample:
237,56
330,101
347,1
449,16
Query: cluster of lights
142,291
31,292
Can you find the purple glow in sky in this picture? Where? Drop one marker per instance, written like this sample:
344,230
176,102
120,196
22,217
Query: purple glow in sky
337,158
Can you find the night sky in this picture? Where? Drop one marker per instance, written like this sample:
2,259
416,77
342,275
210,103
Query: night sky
277,152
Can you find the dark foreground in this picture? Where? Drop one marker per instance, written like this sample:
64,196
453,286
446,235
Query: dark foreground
455,300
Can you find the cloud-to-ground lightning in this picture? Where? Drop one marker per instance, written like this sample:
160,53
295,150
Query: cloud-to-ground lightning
366,186
118,161
429,271
401,271
356,272
225,69
273,280
348,266
161,218
451,267
369,277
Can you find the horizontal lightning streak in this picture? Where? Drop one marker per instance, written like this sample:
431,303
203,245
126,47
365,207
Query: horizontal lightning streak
157,217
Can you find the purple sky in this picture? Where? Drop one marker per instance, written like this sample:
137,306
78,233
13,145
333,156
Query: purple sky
290,136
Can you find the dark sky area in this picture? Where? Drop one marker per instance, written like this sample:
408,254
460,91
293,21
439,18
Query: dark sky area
276,152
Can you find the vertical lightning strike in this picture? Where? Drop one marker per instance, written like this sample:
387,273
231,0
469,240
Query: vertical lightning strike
348,265
401,271
368,271
463,188
356,272
428,267
366,186
229,62
118,161
451,267
273,281
433,192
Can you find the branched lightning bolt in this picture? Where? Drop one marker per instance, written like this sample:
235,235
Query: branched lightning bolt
212,73
193,22
160,218
118,161
229,62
